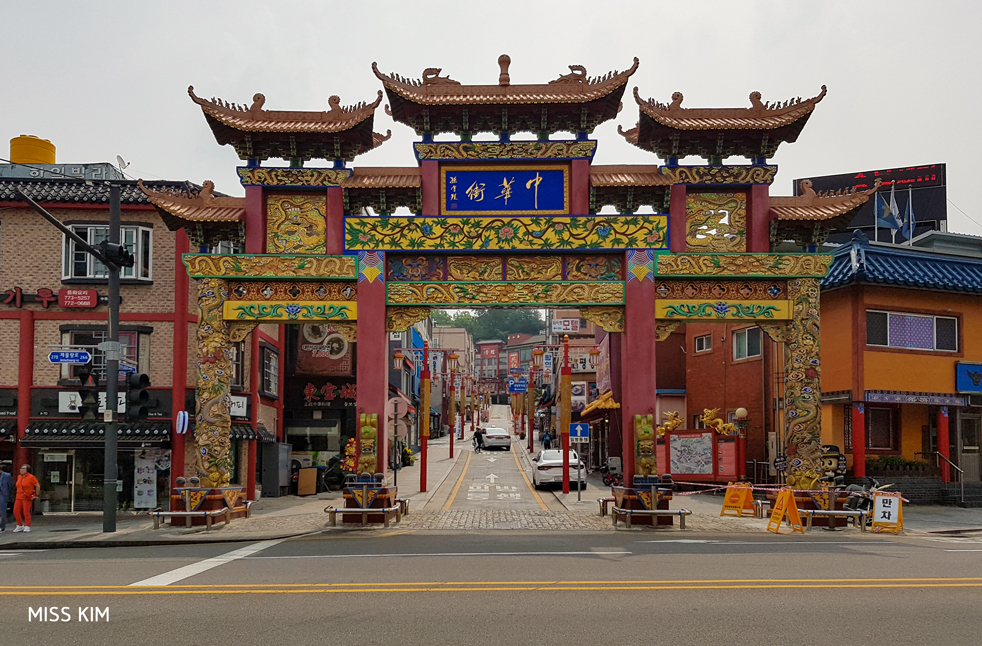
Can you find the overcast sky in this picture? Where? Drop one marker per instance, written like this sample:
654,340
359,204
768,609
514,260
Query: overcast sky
101,79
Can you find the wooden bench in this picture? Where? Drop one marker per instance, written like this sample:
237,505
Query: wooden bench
188,515
387,512
681,513
855,516
605,504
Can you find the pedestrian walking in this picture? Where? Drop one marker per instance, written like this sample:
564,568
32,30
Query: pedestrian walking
479,440
28,488
7,492
546,440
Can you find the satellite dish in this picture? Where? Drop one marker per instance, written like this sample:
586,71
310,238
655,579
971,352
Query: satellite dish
121,164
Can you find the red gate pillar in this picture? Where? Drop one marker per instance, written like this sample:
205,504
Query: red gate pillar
944,443
638,359
25,378
372,349
859,440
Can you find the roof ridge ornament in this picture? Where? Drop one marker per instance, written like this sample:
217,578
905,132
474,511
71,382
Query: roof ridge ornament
504,61
757,107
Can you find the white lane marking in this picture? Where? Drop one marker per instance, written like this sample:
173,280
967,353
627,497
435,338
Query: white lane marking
491,477
963,550
492,459
375,556
187,571
775,542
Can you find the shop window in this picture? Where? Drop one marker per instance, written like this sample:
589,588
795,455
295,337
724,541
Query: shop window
237,359
704,343
270,373
881,428
746,343
911,331
697,421
79,264
131,342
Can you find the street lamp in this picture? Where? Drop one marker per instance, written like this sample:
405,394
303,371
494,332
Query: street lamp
397,359
594,357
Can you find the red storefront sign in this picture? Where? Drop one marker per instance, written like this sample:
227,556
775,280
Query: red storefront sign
513,360
82,298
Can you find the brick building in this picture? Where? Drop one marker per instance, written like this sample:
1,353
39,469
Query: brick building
55,294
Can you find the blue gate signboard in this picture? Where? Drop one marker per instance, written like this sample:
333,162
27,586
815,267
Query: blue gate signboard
505,190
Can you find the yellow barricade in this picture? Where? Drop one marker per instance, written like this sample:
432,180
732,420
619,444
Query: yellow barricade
785,504
738,500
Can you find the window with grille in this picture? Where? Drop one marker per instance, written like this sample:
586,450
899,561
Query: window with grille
131,350
237,359
80,264
746,343
911,331
271,372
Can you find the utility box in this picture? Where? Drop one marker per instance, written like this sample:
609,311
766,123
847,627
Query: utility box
276,469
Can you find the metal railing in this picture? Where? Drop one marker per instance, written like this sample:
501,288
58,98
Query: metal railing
961,473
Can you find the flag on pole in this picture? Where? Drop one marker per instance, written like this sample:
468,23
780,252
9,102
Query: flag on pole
909,217
885,216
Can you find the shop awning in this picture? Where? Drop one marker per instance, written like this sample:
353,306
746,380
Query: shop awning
265,435
43,432
244,431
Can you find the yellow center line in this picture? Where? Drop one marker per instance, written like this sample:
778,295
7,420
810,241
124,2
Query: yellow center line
460,481
488,588
535,494
564,584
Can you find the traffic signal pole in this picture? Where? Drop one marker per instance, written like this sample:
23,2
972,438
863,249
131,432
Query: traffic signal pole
112,374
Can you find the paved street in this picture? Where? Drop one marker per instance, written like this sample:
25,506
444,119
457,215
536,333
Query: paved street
448,574
400,586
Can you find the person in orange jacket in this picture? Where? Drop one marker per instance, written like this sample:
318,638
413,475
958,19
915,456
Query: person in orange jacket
28,488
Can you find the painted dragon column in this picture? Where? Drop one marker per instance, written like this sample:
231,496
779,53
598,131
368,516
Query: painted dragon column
802,392
212,421
637,351
373,362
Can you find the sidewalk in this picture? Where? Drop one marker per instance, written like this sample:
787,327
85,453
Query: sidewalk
272,518
291,516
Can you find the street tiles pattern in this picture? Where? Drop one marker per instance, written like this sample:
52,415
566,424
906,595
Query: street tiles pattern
504,519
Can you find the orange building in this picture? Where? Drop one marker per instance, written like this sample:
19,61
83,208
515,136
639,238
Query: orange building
902,352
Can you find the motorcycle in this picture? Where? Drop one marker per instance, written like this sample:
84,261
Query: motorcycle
615,479
861,497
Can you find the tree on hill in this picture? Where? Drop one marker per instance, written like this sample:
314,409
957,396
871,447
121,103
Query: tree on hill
492,323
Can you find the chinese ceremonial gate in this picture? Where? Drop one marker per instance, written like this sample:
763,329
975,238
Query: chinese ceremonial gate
508,223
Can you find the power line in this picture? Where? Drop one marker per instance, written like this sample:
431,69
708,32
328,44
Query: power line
963,212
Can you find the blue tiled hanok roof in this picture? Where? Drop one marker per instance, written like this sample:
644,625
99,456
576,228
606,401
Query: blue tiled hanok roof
861,262
79,191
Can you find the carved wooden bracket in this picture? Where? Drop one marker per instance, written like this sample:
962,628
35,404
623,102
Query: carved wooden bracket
238,331
610,319
664,328
400,319
775,330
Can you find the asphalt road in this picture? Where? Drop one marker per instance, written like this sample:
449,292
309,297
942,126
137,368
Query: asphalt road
501,586
504,587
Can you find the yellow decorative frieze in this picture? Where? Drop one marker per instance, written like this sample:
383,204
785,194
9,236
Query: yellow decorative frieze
715,310
290,311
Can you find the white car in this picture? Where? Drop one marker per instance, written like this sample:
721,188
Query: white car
496,438
547,468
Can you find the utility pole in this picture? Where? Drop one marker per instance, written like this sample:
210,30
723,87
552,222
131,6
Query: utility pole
114,256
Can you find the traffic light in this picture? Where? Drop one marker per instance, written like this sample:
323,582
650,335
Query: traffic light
116,254
137,396
88,404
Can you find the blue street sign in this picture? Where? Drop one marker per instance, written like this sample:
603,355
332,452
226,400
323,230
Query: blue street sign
125,368
579,430
518,385
74,357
